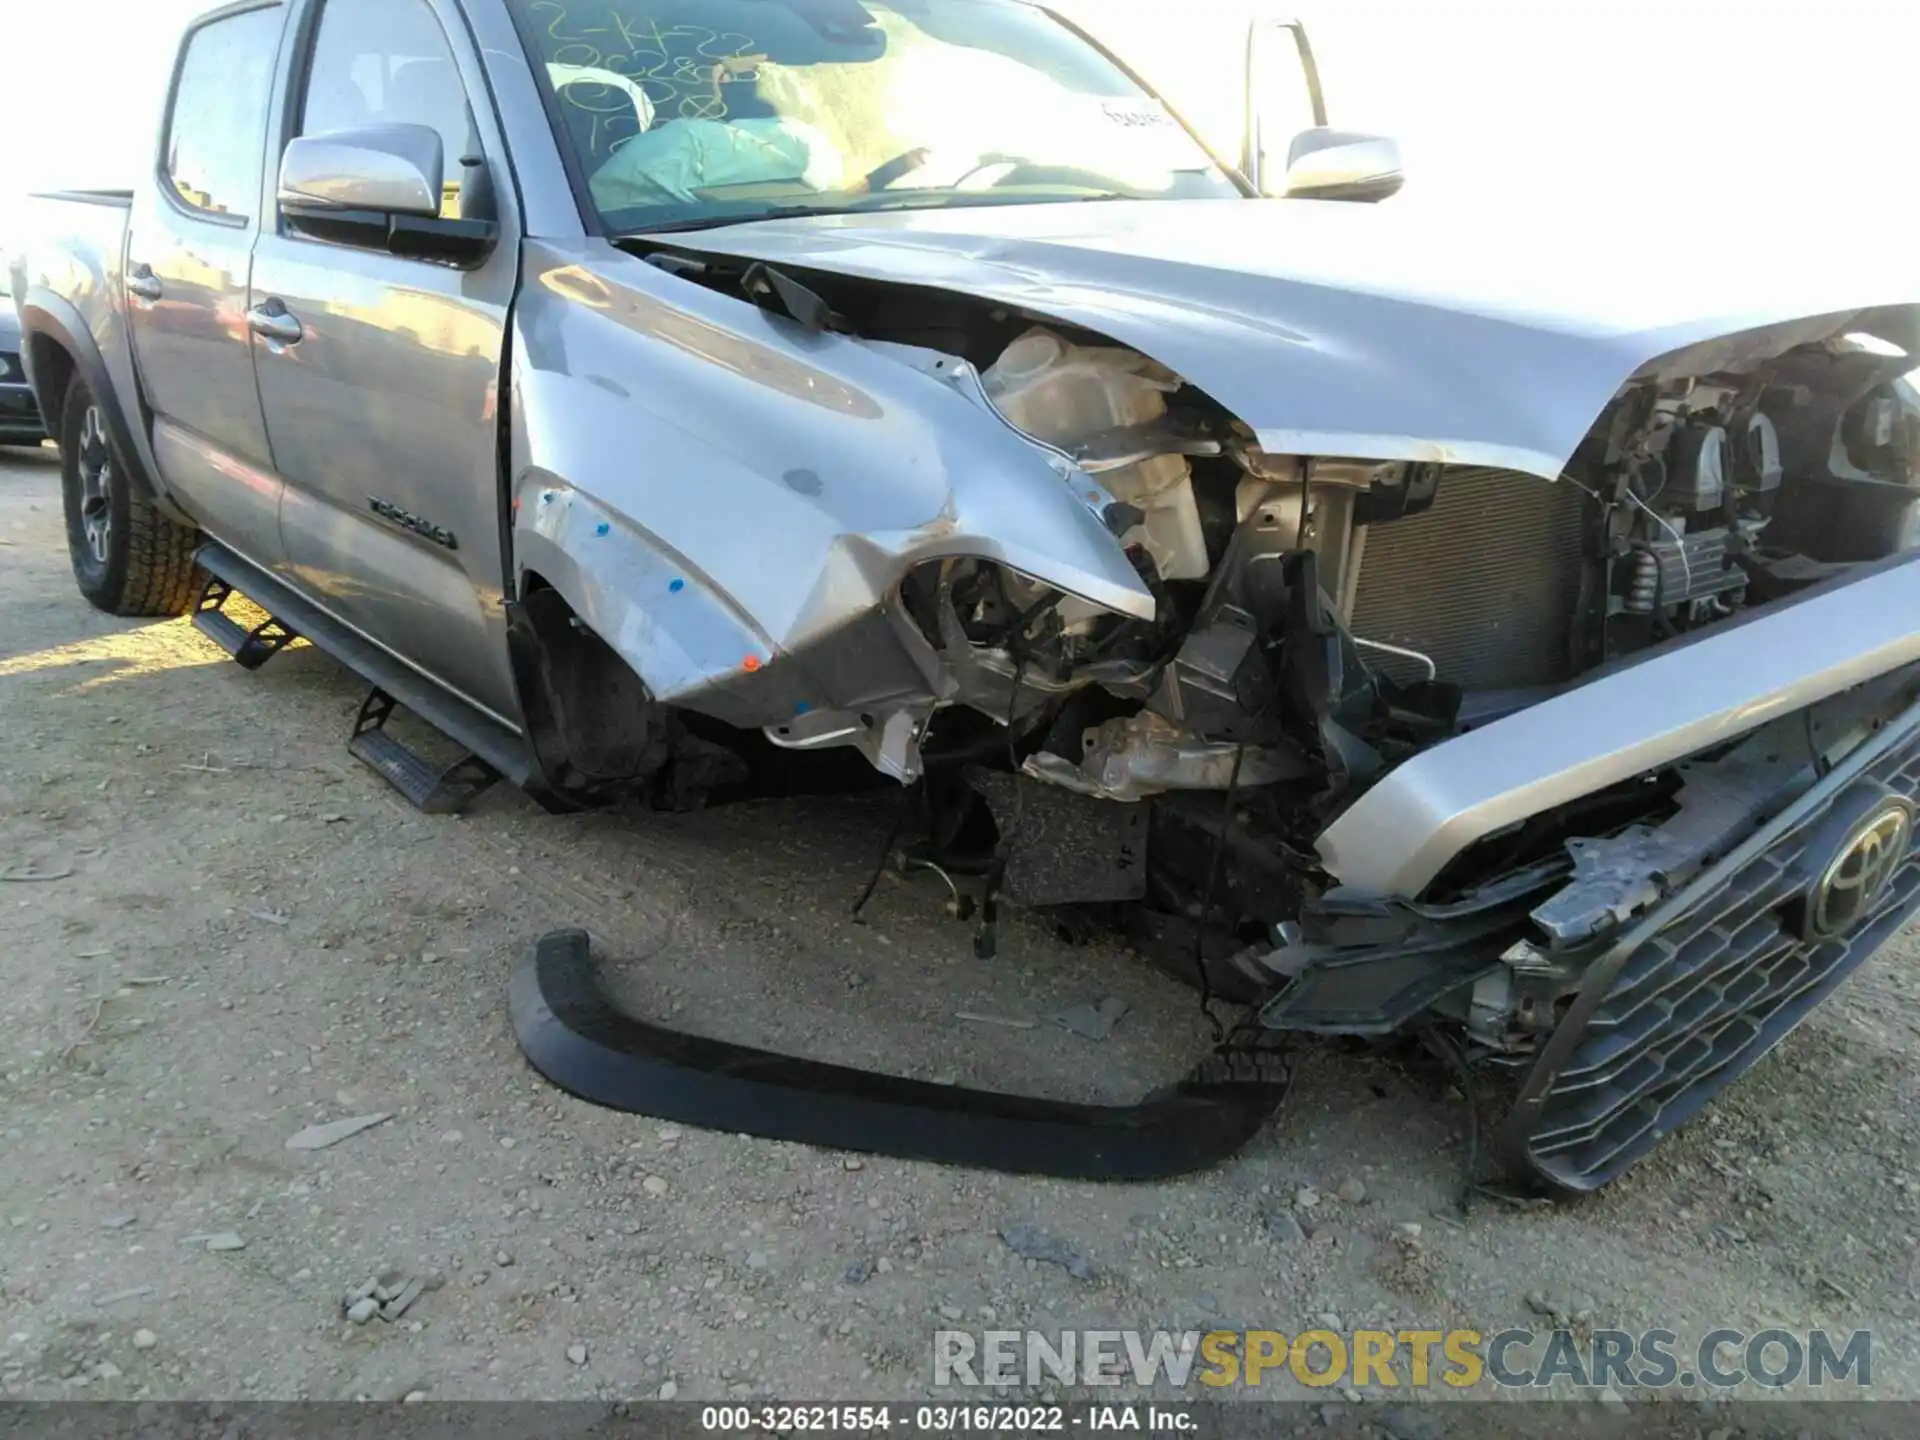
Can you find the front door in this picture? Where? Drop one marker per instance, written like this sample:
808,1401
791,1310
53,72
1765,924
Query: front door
383,413
189,245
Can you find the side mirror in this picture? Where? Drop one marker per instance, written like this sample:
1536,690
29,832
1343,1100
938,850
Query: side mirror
381,169
1326,164
380,187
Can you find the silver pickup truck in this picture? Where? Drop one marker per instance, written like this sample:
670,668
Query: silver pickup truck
1502,635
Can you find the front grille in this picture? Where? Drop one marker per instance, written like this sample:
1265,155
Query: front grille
1485,583
1698,1001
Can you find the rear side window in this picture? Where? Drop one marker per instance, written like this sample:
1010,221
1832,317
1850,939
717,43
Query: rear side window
387,62
217,127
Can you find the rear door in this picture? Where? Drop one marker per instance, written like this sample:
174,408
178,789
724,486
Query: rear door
189,247
383,415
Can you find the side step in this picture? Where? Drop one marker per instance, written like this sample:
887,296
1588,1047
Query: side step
432,791
483,734
573,1034
250,649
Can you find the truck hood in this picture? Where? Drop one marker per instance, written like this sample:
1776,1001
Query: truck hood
1391,333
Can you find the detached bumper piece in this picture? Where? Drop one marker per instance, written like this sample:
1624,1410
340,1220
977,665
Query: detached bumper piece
250,649
573,1035
1696,994
432,790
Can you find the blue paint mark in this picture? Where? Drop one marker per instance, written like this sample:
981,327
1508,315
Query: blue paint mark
603,528
676,586
802,708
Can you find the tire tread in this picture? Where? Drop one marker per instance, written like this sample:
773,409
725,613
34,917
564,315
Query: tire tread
154,574
162,578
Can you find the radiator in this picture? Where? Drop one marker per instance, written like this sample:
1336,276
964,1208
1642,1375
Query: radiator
1486,583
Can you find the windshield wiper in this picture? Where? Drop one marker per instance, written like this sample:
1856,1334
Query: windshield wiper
888,204
717,222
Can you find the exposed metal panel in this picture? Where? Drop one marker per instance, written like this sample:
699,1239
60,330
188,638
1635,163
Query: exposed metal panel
1486,582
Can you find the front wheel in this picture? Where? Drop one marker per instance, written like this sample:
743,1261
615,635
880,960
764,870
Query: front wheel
128,558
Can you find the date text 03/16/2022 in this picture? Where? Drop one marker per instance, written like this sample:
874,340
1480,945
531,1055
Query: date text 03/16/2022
947,1419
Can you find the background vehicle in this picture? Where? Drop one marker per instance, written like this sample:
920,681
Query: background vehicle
1391,635
20,422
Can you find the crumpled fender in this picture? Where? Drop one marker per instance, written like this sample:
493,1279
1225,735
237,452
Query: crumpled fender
720,493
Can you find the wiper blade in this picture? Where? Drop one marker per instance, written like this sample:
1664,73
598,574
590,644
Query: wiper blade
944,201
717,222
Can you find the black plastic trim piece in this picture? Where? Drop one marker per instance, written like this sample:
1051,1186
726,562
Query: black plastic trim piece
572,1033
486,737
53,316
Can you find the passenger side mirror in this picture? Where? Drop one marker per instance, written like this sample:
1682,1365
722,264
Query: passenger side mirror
1326,164
1283,93
378,187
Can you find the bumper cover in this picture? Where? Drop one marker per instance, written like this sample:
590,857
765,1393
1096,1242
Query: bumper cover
572,1034
1695,995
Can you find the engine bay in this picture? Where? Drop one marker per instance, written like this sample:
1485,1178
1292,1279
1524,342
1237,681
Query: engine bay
1317,620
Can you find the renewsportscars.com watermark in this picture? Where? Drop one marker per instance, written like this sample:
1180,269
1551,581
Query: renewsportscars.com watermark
1403,1359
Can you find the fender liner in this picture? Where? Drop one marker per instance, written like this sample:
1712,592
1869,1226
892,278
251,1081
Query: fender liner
572,1034
45,314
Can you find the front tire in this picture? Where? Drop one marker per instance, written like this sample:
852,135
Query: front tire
128,558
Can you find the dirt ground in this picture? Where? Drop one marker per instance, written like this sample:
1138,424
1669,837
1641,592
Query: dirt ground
237,932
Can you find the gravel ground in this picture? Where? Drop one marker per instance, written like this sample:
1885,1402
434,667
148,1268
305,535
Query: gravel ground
241,934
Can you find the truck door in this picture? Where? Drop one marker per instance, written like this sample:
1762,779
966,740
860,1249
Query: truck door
189,245
382,385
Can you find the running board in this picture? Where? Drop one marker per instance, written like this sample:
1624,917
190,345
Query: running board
572,1034
432,790
503,749
250,649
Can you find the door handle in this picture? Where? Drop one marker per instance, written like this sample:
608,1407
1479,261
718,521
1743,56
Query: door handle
141,281
271,321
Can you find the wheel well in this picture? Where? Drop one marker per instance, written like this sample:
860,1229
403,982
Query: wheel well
53,370
593,725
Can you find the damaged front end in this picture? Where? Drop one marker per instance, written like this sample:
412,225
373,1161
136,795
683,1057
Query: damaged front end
1372,743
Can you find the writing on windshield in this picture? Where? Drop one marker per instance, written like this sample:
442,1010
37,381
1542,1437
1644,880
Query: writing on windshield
684,109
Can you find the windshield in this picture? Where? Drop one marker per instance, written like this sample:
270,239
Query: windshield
687,112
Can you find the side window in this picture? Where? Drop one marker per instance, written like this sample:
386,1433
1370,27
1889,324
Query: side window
217,127
387,62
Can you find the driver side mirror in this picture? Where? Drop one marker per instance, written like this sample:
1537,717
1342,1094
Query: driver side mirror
1327,164
384,169
378,187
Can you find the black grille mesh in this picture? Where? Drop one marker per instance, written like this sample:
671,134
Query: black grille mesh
1485,583
1700,1001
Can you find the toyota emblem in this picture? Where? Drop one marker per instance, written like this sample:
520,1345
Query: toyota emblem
1857,876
